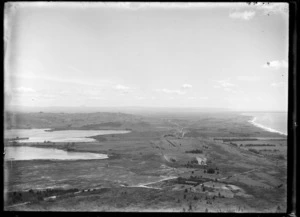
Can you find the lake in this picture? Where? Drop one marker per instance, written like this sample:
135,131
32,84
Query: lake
41,135
33,153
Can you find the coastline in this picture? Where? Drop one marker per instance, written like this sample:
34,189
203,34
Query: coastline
252,121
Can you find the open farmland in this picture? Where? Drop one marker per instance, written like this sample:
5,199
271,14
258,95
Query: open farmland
163,164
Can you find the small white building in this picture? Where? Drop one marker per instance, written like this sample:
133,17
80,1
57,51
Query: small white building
201,160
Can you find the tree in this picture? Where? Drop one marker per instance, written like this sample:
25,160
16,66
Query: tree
278,208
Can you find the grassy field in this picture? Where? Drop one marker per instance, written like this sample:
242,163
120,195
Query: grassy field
156,167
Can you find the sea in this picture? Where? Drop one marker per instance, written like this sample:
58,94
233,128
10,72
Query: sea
270,121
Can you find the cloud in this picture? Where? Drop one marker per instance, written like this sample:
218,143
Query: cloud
245,15
24,90
276,64
234,91
277,84
168,91
259,98
186,86
224,84
273,8
228,89
140,97
227,86
201,97
248,78
164,5
123,89
182,91
97,98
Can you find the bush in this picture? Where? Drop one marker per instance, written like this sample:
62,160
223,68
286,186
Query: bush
195,151
253,150
211,171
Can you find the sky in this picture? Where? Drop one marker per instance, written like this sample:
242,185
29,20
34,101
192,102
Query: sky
225,55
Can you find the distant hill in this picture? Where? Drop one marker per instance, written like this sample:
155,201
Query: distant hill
99,120
122,109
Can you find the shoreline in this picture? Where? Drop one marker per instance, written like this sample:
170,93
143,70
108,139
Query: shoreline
252,121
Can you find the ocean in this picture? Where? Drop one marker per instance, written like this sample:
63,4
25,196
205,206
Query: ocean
270,121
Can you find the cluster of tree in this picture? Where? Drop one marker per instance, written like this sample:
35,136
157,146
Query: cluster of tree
195,151
212,171
253,150
32,195
17,197
194,182
195,177
169,135
231,143
253,145
280,157
172,160
17,138
100,138
239,139
273,150
193,164
70,146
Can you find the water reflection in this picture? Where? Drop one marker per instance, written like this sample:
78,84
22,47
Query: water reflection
33,153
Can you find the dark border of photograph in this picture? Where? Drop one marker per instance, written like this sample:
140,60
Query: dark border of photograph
293,164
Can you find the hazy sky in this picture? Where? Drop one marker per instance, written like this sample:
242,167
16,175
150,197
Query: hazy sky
184,55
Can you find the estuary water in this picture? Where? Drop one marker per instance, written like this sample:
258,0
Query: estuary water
33,153
41,135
